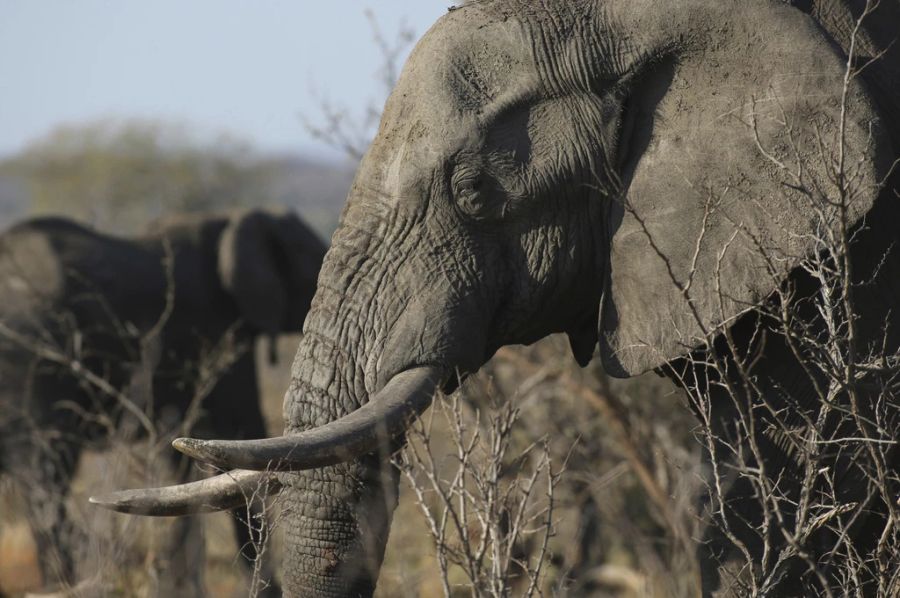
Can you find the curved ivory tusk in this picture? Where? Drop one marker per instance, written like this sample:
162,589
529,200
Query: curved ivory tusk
218,493
363,431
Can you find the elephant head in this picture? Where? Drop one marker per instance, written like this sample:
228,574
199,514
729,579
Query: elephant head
628,172
266,262
269,264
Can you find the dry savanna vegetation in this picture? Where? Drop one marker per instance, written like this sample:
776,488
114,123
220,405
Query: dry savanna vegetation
539,477
594,479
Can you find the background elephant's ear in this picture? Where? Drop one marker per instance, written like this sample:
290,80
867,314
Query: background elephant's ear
303,252
732,132
269,263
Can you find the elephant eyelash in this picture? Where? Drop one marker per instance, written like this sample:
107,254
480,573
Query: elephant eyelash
464,168
467,183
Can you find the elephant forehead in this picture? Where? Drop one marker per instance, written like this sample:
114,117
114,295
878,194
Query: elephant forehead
29,270
455,75
468,65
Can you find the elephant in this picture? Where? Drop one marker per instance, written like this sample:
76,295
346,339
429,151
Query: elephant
86,315
641,176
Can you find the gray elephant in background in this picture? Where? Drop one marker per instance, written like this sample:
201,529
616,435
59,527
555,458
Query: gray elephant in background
98,332
617,170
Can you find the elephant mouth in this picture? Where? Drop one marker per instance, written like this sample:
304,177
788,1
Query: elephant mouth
254,462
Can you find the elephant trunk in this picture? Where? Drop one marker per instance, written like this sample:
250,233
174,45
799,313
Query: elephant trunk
340,514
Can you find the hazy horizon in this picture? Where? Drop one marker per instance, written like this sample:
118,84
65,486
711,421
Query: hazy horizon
236,68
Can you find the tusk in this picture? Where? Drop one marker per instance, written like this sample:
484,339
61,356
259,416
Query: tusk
363,431
218,493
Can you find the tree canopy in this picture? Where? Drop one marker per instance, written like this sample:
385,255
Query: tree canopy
116,175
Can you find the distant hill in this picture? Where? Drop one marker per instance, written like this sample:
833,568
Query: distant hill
13,199
120,176
316,189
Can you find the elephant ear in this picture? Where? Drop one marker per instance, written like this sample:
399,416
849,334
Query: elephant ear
269,264
735,126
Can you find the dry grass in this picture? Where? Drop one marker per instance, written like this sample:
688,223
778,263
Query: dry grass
594,549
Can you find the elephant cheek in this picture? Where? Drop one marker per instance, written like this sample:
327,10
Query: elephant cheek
431,333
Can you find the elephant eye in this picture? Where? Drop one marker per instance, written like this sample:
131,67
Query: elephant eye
469,193
470,186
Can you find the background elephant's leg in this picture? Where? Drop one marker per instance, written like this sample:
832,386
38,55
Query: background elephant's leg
45,482
180,560
234,412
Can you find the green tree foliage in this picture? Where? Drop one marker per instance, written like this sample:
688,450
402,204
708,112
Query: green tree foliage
117,175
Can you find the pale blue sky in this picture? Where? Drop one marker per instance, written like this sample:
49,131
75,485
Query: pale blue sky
240,66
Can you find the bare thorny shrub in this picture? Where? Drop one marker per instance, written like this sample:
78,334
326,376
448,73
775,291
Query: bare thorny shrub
479,516
629,451
128,554
535,439
351,133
